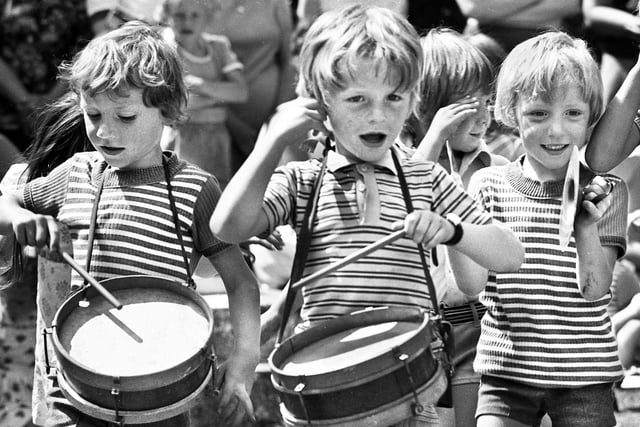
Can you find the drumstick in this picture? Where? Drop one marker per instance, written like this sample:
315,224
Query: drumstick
93,282
349,259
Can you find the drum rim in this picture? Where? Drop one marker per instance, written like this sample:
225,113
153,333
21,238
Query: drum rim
132,382
134,417
340,324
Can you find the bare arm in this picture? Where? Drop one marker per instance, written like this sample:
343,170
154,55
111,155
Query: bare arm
492,10
615,135
488,247
244,309
245,192
595,262
232,89
603,19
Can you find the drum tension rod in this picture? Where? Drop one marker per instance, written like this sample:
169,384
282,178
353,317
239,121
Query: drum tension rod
47,366
115,392
298,389
416,407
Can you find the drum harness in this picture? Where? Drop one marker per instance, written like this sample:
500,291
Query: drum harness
115,391
442,345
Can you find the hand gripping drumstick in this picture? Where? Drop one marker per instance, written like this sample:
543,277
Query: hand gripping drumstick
349,259
93,282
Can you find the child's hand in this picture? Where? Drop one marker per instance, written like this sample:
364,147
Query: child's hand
427,227
293,120
40,231
596,200
234,404
448,119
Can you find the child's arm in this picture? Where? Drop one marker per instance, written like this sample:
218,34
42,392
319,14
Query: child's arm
488,247
238,214
595,261
443,126
232,89
235,377
616,135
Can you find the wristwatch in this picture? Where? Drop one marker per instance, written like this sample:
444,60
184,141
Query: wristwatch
457,229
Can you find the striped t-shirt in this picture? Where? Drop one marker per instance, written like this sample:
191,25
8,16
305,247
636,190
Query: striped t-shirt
390,276
135,231
538,329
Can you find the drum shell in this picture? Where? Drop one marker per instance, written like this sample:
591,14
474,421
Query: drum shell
363,387
136,392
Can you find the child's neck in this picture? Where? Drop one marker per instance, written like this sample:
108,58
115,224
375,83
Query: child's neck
536,171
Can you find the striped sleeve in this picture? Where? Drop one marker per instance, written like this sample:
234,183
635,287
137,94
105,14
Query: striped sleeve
46,195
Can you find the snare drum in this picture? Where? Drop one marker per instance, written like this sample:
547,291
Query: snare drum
373,367
147,362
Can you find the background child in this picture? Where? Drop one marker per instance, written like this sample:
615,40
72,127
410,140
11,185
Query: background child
453,119
546,344
360,69
214,77
129,85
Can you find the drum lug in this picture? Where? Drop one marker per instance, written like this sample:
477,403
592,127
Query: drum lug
298,389
416,407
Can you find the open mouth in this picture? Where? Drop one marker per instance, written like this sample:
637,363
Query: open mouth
373,138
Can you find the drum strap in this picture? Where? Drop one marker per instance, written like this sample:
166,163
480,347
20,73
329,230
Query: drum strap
445,352
174,211
302,245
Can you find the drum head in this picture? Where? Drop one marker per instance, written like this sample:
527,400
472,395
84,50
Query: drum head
348,348
155,330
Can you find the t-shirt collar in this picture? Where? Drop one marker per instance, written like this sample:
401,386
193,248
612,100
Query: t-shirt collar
336,161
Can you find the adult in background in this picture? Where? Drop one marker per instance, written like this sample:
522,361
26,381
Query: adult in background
511,22
260,34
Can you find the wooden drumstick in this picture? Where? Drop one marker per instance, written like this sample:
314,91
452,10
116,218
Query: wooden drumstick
349,259
93,282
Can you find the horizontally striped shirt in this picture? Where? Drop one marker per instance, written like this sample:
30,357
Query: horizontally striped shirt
390,276
135,230
538,328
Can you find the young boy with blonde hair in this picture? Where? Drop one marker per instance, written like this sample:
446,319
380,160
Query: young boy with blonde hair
547,345
360,69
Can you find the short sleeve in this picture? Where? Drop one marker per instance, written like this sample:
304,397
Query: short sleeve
205,242
612,227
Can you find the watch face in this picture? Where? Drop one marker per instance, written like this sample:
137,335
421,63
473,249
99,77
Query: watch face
453,218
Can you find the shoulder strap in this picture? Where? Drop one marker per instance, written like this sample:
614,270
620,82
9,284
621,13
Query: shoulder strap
302,244
423,260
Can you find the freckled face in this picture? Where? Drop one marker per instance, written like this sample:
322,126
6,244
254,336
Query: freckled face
125,131
368,114
549,130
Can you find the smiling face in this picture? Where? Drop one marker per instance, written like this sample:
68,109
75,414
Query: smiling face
550,128
468,136
367,115
125,131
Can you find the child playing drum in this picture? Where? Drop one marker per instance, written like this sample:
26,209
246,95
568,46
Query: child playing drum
152,208
359,73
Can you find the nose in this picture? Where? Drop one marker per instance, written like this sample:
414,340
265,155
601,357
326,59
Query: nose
376,112
104,130
555,126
